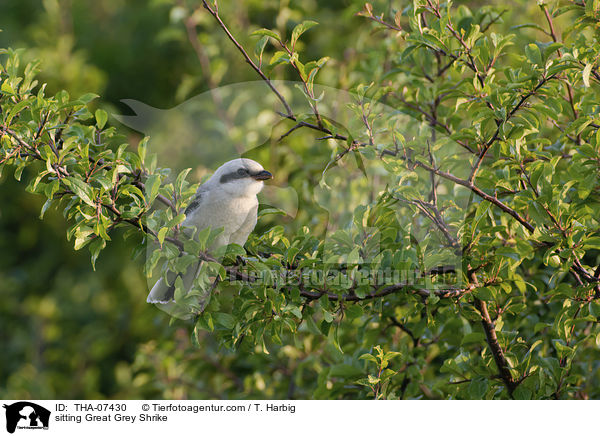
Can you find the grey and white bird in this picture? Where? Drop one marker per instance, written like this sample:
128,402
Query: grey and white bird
227,200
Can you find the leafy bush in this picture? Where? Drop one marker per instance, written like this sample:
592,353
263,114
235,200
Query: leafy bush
517,317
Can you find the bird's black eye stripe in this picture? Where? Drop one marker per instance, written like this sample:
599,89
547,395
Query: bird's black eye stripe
239,174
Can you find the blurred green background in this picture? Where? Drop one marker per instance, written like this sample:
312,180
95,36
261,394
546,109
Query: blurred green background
67,331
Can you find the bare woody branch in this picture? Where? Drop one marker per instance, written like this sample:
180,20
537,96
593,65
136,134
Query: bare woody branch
492,339
214,12
479,192
495,137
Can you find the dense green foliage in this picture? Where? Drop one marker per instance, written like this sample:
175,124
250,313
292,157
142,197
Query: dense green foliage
484,139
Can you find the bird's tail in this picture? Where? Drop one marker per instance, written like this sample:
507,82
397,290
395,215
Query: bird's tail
162,292
163,295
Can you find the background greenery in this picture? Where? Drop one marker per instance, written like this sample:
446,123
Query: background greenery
68,331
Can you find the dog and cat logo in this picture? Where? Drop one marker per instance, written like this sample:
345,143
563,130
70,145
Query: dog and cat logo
26,415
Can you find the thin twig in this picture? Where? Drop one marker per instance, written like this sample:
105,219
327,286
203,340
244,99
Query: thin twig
214,13
493,139
479,192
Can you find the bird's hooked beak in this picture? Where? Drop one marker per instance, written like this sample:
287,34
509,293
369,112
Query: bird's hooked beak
263,175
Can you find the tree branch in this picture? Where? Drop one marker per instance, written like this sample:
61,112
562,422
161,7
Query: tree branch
215,14
493,139
492,340
480,193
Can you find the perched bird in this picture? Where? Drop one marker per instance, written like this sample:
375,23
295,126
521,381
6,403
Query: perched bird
227,200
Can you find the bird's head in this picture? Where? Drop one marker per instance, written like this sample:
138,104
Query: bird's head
241,177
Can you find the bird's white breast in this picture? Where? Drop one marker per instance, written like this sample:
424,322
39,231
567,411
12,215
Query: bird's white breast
236,215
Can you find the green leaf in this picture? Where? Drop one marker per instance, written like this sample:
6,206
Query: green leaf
6,88
522,393
15,110
19,170
555,46
508,252
161,235
86,98
594,308
82,234
142,149
176,220
45,207
300,29
224,319
586,75
373,380
95,248
354,256
532,51
179,182
270,211
368,357
478,388
354,311
152,186
592,243
563,9
101,118
81,189
391,355
279,57
260,47
563,350
267,32
473,338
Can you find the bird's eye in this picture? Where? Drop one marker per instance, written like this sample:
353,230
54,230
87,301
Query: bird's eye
242,172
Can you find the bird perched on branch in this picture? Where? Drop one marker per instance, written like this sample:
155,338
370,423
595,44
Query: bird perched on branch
227,200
